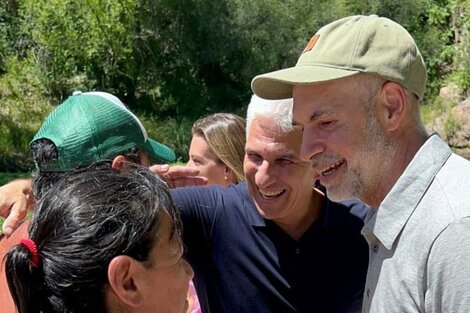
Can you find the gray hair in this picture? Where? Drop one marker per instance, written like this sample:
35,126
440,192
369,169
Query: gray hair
278,110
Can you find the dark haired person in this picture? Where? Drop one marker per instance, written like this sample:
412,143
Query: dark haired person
101,240
87,128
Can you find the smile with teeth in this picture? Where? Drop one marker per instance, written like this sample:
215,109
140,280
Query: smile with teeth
271,194
331,168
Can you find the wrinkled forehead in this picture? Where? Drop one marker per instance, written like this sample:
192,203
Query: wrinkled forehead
268,136
270,127
341,91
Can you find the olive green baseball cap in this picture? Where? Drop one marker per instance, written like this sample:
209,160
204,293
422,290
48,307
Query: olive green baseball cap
95,126
351,45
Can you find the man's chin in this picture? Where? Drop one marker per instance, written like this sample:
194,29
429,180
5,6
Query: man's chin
336,195
264,211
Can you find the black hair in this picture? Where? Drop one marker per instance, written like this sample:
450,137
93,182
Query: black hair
45,151
85,220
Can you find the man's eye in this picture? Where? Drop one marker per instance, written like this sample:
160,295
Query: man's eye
327,123
254,157
285,161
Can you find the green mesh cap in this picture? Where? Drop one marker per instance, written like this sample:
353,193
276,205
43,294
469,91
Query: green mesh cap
352,45
95,126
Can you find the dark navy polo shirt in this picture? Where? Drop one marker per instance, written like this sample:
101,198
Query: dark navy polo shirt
244,263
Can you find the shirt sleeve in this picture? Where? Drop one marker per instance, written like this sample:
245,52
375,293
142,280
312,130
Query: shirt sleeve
199,208
449,270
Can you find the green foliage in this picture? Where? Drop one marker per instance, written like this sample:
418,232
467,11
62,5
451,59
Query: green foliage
85,44
8,31
452,125
208,51
171,132
8,177
435,39
432,110
175,60
460,26
4,44
23,108
438,108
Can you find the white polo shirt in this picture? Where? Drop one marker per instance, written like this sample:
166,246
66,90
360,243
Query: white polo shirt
419,238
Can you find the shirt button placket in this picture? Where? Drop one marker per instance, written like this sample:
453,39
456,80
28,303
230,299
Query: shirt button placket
375,248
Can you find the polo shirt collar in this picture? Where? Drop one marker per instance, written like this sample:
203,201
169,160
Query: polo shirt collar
331,215
256,219
387,222
252,214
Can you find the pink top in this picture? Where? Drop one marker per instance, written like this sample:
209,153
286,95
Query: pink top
194,306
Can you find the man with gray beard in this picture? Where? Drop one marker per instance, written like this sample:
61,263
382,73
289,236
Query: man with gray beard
357,89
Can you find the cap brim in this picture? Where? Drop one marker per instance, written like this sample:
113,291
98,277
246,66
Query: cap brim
159,153
279,84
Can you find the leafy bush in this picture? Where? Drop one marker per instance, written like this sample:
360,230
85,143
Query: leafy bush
452,125
81,44
8,31
171,132
432,110
176,60
461,43
8,177
23,108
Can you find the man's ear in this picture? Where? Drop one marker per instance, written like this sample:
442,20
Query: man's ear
118,162
123,275
391,107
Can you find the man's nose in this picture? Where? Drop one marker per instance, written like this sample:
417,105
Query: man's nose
265,174
311,146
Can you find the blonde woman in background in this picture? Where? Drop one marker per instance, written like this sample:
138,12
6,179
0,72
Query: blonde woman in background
218,147
217,150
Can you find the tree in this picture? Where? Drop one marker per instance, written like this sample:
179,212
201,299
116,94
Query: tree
81,43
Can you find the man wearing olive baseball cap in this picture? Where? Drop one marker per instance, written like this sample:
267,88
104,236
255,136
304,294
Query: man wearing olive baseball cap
357,88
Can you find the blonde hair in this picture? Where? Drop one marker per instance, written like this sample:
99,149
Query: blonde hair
225,136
